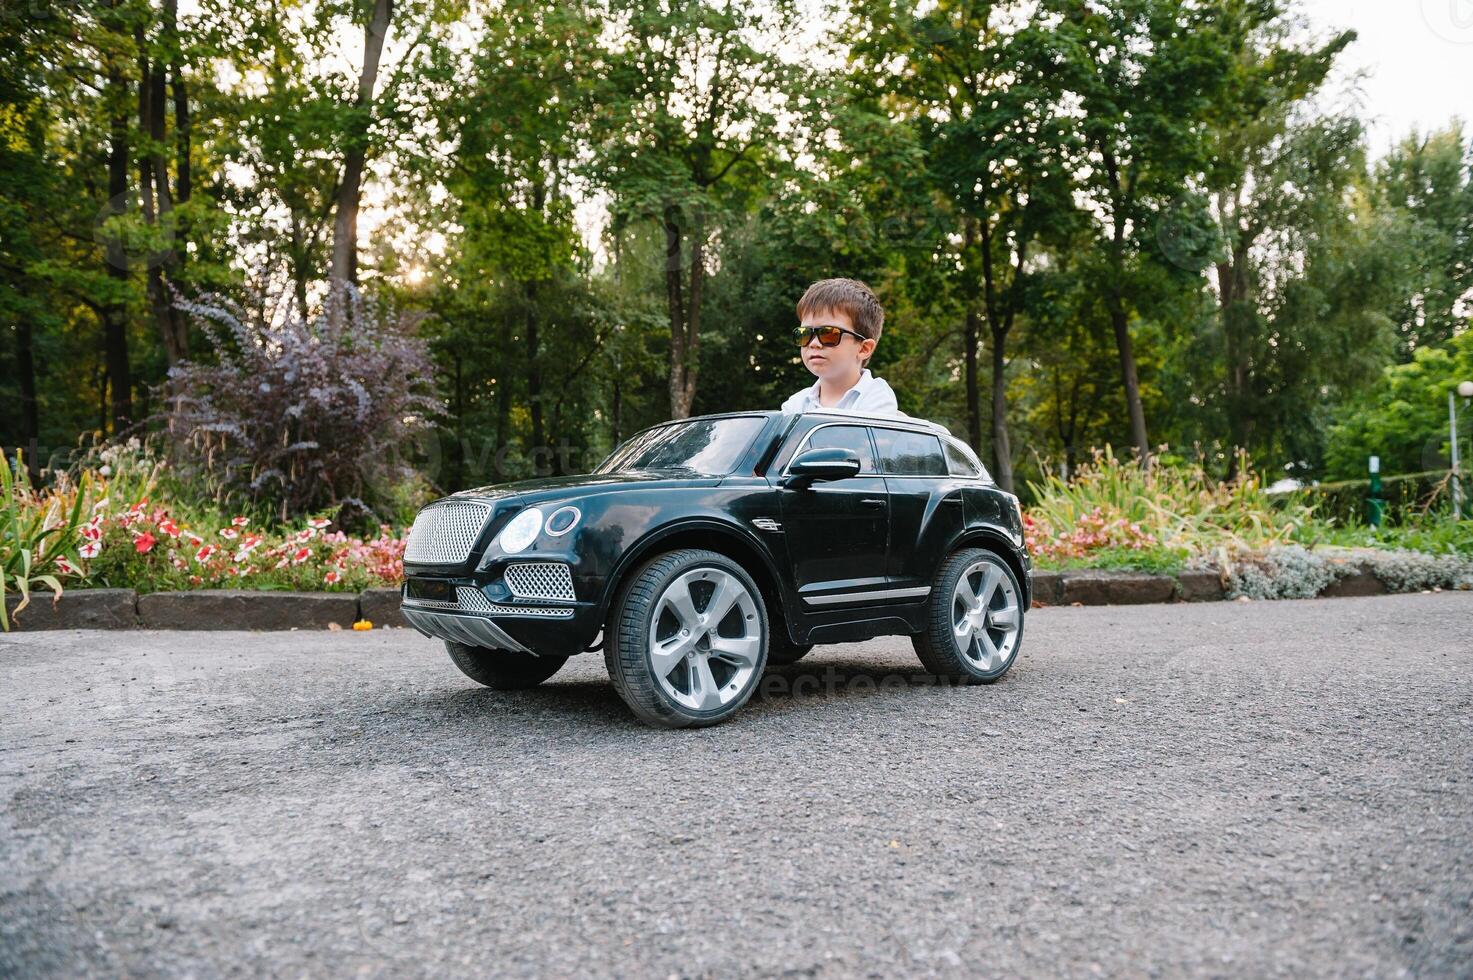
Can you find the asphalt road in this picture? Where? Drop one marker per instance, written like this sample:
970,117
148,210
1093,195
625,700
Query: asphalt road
1221,789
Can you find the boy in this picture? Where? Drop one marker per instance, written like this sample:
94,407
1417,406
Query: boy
841,322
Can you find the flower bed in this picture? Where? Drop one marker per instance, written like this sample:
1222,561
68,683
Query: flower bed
144,548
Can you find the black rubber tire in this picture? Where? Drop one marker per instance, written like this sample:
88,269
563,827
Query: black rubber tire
934,646
502,670
626,646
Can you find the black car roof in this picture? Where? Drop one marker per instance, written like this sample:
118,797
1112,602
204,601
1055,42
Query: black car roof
909,421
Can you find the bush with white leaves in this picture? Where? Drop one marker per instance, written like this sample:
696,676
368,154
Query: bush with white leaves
301,415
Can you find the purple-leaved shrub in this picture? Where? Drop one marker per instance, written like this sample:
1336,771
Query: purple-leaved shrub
299,415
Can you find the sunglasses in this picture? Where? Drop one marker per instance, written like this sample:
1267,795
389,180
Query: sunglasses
828,335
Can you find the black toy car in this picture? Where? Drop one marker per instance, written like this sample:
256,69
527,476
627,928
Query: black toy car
703,550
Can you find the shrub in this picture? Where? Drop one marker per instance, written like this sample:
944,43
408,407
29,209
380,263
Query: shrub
304,414
1291,572
1413,571
38,530
1165,512
142,547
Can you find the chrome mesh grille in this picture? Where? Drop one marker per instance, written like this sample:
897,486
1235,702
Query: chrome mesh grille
540,580
444,534
472,600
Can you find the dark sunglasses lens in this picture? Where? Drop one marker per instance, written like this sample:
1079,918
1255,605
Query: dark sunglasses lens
830,336
801,335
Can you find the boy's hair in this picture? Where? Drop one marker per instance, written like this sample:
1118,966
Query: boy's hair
851,297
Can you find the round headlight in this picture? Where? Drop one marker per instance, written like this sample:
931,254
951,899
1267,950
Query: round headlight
521,532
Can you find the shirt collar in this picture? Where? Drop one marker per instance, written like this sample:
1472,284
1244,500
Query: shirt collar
850,396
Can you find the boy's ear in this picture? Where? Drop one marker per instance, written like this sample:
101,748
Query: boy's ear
867,347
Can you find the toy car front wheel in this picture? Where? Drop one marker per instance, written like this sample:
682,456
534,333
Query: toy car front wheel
502,670
975,618
687,639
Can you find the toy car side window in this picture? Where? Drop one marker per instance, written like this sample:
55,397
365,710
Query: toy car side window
959,460
852,437
909,453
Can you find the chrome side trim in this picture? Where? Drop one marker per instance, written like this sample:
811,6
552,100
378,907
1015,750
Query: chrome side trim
919,592
472,630
766,524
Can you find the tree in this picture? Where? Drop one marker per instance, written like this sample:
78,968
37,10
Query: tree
1278,182
355,148
692,96
1403,418
1146,73
981,82
1430,180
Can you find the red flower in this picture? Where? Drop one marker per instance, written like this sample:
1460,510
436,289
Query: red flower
229,533
169,527
301,555
204,553
240,521
144,543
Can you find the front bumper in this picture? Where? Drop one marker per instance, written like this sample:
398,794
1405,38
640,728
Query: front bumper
484,614
476,631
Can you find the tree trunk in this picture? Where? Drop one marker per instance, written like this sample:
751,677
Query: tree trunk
998,325
345,223
1002,452
457,473
115,314
971,341
534,375
183,174
173,330
675,305
971,337
1128,377
30,420
693,315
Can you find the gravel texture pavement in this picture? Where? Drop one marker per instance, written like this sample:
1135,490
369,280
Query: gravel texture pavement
1279,789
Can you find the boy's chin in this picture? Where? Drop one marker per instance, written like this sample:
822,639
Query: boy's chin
825,370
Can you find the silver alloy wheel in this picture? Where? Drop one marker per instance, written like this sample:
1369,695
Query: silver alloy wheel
705,639
985,617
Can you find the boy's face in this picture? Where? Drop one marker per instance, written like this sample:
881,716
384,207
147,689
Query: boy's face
835,363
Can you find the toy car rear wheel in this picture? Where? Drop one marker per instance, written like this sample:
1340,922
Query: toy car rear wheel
502,670
974,622
687,639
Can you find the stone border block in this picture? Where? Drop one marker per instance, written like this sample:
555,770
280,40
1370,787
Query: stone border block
1360,581
1048,588
1094,588
234,609
381,607
77,609
1203,586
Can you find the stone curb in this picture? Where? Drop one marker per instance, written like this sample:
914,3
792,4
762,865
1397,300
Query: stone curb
229,609
240,609
381,607
77,609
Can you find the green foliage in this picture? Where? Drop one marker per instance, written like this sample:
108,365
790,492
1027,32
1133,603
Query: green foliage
1404,418
38,530
1174,503
608,211
1429,180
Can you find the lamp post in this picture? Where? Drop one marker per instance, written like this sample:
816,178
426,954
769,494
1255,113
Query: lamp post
1465,389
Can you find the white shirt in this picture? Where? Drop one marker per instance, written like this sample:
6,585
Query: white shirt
869,396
